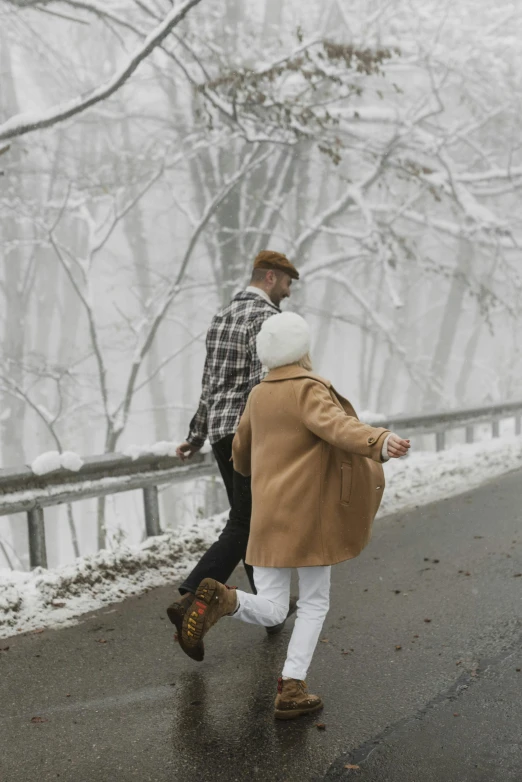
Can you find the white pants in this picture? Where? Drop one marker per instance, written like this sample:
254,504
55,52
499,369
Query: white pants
270,607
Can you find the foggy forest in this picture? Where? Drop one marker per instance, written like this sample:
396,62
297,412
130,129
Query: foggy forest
148,151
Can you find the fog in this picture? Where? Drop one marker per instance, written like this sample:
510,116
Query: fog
148,151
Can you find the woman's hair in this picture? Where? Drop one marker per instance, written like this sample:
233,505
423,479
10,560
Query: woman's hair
305,362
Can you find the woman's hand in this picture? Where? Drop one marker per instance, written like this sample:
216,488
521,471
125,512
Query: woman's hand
397,447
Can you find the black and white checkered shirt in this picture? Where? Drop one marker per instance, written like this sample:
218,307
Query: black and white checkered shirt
232,367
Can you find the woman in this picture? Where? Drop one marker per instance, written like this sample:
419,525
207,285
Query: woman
317,482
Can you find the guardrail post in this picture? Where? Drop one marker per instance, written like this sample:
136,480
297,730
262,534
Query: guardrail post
470,434
440,441
151,506
495,428
518,420
36,528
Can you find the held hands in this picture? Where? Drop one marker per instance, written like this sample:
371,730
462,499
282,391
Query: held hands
186,451
397,447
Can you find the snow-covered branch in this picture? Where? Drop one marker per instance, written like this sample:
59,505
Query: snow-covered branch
121,213
28,122
9,386
93,330
385,330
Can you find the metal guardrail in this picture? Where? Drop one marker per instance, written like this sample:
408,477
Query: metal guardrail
468,418
23,491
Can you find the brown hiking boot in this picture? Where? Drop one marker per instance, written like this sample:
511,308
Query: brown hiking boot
213,600
175,612
276,629
293,700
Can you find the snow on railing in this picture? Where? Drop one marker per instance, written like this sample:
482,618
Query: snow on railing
23,489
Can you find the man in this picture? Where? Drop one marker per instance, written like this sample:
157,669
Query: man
231,370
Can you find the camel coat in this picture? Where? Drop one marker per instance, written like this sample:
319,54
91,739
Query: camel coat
317,478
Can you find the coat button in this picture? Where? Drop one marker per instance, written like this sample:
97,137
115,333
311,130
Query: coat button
371,440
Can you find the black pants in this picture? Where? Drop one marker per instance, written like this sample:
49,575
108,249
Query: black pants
230,548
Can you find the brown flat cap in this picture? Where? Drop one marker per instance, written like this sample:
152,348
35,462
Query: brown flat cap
269,259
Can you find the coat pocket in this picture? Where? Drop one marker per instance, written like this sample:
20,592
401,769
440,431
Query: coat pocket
346,482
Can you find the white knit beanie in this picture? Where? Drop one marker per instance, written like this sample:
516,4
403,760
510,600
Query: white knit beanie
283,339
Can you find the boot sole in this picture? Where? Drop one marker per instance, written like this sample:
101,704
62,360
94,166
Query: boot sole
204,594
196,652
275,629
287,714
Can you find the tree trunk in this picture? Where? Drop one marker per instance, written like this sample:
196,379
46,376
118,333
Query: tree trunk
15,306
319,350
235,13
472,344
386,395
7,558
101,530
135,232
273,18
73,531
448,328
467,362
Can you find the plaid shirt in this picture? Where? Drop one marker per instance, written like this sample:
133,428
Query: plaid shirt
232,367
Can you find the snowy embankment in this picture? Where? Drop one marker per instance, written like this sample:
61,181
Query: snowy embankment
47,598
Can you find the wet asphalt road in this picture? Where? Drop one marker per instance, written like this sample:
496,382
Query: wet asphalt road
118,701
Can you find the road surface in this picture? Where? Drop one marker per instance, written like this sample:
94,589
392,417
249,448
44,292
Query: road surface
419,666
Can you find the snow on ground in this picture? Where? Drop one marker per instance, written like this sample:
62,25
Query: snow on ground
427,476
49,598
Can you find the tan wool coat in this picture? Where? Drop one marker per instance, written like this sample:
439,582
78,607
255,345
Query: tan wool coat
317,478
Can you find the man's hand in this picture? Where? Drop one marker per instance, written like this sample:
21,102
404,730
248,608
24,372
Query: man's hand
397,447
186,450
